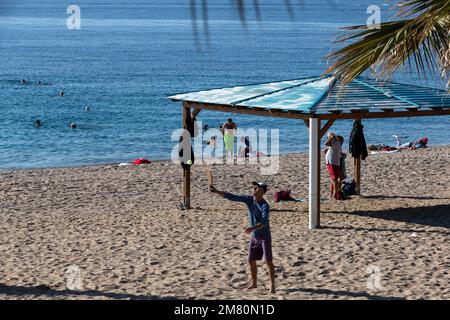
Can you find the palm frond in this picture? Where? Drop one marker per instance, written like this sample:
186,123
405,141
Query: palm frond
423,38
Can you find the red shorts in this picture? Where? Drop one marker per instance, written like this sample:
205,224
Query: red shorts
335,171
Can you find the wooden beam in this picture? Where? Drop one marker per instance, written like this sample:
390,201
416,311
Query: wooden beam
385,114
196,112
357,174
325,128
306,123
253,111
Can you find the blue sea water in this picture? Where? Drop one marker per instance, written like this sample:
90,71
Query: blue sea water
129,55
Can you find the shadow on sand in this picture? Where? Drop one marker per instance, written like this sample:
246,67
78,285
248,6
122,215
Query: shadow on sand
404,197
433,216
47,292
344,293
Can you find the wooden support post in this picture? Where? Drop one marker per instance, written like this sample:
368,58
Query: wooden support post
357,174
186,189
357,169
314,173
196,112
325,128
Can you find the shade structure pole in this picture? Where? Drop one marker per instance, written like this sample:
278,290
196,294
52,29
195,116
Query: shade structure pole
314,173
357,174
186,169
357,170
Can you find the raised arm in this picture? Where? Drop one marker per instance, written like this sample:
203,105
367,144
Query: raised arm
230,196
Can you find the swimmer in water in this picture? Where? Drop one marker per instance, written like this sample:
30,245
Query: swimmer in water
37,123
23,81
61,93
87,109
73,125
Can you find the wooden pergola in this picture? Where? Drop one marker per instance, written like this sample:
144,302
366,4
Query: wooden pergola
318,102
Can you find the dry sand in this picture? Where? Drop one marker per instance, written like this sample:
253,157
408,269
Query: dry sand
120,226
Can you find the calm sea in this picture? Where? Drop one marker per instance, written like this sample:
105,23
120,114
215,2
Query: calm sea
129,55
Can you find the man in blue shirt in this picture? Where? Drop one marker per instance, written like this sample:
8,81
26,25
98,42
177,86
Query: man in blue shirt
260,244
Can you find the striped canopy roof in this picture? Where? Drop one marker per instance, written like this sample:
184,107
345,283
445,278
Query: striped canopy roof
320,95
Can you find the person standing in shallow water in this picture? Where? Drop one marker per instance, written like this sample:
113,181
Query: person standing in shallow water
229,131
260,245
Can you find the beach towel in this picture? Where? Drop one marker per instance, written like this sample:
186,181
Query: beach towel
383,152
228,139
140,161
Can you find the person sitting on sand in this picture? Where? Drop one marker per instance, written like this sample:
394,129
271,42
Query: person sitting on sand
260,244
333,161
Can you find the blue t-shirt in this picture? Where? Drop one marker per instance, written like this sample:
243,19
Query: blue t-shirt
258,212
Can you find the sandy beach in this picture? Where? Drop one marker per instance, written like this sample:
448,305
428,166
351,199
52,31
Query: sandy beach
121,230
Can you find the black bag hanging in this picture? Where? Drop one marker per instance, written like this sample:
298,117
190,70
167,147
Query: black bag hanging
188,161
190,124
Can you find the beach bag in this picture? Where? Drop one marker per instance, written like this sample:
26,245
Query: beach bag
283,195
349,187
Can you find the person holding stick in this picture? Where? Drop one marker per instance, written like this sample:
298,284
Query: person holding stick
260,245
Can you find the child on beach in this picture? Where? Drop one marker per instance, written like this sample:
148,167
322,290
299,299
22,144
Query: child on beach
260,245
333,161
245,149
212,143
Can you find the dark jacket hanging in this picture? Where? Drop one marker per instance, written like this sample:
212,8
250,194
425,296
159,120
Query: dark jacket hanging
357,142
190,125
183,160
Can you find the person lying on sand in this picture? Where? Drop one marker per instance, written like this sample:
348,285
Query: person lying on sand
416,144
260,244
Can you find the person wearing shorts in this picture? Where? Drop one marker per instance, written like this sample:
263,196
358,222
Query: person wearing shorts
260,244
333,161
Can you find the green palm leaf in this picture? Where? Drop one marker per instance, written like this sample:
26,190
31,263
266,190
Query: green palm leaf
423,37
